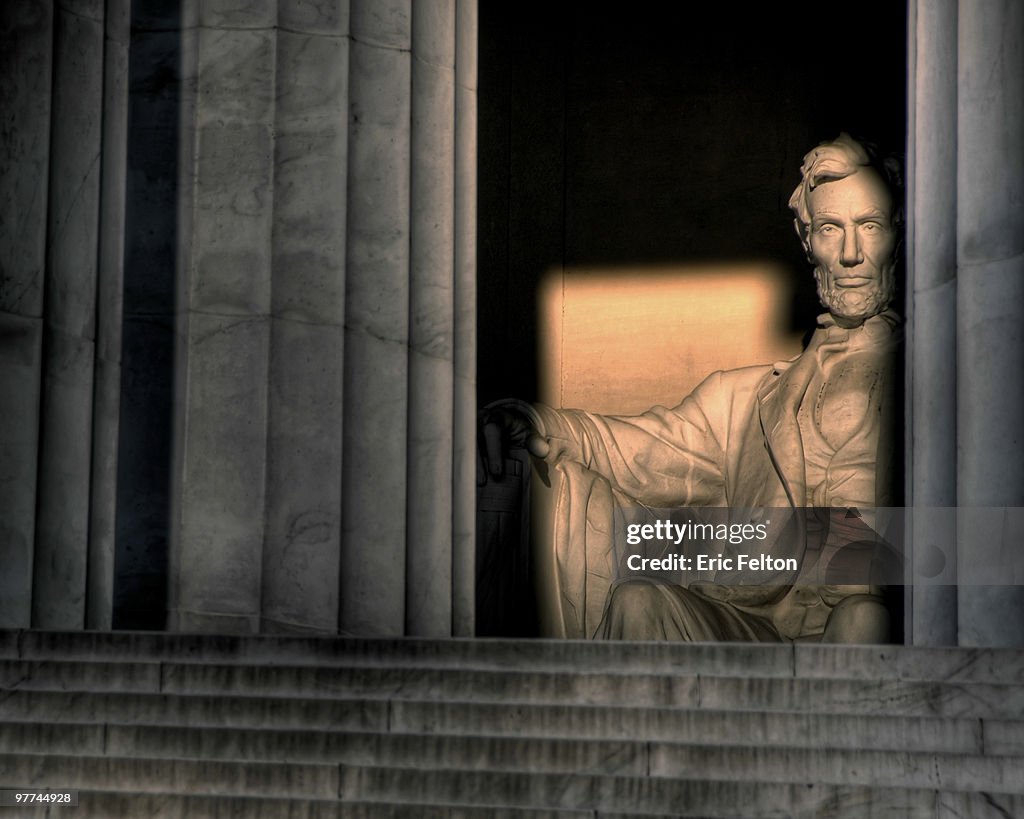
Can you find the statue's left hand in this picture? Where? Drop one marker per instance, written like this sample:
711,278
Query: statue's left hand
502,425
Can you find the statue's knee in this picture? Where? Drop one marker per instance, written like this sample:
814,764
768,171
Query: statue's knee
633,596
858,619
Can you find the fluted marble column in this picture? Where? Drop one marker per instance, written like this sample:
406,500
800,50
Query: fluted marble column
931,258
26,59
373,560
109,317
431,320
464,420
62,167
301,554
237,329
990,304
327,231
224,293
65,450
967,320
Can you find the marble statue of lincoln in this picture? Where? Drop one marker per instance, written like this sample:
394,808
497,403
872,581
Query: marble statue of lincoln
813,432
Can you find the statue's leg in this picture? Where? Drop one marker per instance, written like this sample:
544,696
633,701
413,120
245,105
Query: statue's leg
643,609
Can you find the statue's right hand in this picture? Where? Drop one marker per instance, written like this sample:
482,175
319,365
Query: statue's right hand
501,426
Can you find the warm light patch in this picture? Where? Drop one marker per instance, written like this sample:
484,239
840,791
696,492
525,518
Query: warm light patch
620,340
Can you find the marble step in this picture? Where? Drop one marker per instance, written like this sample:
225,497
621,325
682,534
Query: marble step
629,795
847,803
166,709
725,791
668,691
278,779
333,748
692,760
952,665
678,797
184,725
791,729
58,722
120,805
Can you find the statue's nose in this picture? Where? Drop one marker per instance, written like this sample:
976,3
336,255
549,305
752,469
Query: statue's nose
851,255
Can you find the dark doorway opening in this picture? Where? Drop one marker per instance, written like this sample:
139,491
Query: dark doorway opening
651,133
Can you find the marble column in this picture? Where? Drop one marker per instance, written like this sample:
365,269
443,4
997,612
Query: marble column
931,264
236,316
65,449
224,294
431,321
26,58
325,318
110,290
373,548
990,303
301,557
464,492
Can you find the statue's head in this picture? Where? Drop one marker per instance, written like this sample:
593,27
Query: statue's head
849,219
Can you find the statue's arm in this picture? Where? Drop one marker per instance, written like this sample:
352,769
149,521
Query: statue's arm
662,457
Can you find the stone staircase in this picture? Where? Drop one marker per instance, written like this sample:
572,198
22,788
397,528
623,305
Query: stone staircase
165,725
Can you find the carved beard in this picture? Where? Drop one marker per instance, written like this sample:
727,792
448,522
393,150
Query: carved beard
856,303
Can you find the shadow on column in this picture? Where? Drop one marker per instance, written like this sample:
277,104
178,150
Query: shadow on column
147,373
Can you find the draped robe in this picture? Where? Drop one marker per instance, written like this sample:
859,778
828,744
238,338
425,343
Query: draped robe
737,441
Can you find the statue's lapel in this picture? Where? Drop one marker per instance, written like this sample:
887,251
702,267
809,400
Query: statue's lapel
779,400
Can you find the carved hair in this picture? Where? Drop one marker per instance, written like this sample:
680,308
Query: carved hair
838,159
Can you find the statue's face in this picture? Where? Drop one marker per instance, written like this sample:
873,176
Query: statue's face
852,242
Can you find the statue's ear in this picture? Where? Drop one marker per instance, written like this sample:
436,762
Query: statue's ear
804,232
